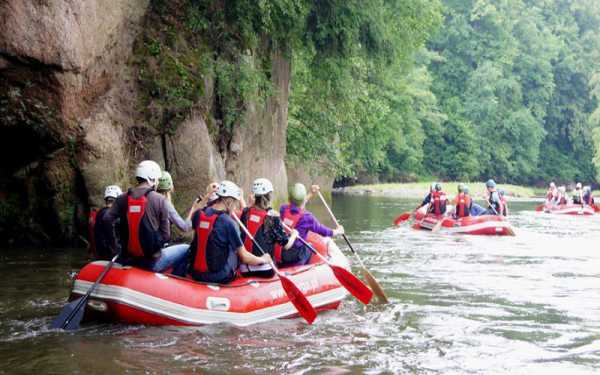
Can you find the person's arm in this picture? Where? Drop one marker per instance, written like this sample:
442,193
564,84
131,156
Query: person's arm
323,230
183,225
251,259
314,189
280,234
164,226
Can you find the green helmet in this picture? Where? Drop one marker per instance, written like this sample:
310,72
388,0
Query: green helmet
165,182
461,188
297,194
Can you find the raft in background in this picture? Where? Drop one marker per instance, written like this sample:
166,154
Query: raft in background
570,209
476,225
135,296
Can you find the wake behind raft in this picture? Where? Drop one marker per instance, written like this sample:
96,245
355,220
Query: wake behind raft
135,296
475,225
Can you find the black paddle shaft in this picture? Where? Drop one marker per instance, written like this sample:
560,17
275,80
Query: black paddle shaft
349,244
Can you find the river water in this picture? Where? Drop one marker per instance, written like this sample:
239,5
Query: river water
528,304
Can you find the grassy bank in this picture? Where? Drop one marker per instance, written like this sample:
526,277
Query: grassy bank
419,189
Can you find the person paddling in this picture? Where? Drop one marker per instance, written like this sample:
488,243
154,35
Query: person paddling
561,197
265,226
588,199
438,201
144,224
100,233
427,200
551,193
217,249
578,194
462,202
296,217
493,199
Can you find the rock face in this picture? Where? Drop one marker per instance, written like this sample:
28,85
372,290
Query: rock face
71,123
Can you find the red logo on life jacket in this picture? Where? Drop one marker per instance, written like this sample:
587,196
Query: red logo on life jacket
254,221
136,207
203,231
290,220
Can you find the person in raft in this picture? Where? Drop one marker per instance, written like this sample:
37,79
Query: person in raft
296,217
578,194
143,224
217,249
504,202
166,188
436,199
462,202
99,233
588,199
551,193
492,198
561,197
265,226
427,198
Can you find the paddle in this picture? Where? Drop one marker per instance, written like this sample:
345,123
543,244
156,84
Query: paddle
71,315
375,287
540,207
402,218
296,297
352,283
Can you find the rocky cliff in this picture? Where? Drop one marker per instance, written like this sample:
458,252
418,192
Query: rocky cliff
89,88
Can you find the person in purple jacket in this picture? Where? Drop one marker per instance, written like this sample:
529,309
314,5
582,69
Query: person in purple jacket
295,216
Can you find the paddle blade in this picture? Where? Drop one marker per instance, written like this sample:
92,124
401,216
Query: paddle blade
68,314
539,208
510,231
353,284
298,299
374,285
402,218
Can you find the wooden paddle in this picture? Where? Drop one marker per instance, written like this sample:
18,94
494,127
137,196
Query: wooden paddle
71,315
295,295
352,283
402,218
373,284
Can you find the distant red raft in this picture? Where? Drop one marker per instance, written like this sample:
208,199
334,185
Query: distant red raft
570,209
478,225
134,296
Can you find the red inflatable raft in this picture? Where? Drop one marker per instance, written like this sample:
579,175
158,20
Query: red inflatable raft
134,296
569,209
479,225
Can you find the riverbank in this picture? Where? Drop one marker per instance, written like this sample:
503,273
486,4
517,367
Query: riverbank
420,189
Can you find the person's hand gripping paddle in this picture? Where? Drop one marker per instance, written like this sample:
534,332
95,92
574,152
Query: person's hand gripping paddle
295,295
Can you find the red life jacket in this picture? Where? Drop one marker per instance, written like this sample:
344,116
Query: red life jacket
254,220
136,208
290,220
438,201
91,229
463,204
203,230
503,206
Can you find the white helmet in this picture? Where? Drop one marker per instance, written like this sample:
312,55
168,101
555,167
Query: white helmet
562,189
148,170
587,188
262,186
229,189
552,185
112,191
578,186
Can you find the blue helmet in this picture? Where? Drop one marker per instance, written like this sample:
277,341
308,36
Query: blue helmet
490,183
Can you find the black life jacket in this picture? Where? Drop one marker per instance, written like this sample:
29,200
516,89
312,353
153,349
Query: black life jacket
463,205
587,198
496,206
139,238
207,255
101,240
576,198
